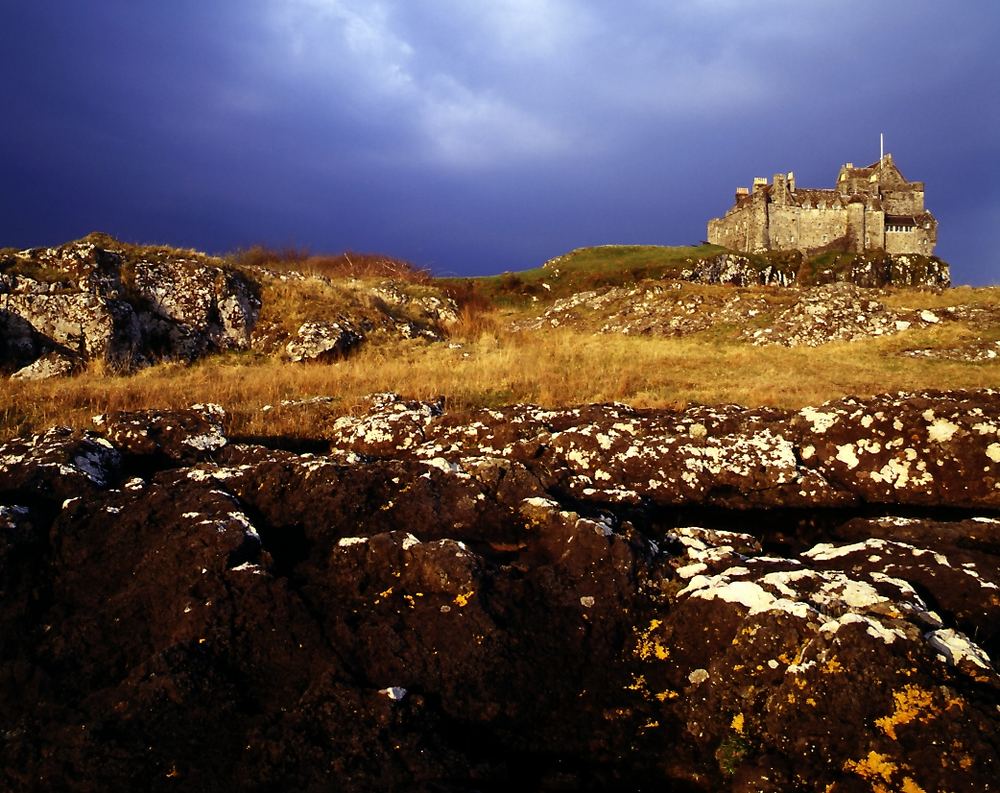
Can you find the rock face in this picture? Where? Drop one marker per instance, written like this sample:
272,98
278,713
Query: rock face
97,299
589,598
790,268
739,270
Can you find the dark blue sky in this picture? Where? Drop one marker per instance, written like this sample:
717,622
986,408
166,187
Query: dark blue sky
479,137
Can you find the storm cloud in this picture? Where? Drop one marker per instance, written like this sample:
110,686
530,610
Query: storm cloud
479,137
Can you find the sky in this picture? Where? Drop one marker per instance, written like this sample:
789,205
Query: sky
477,137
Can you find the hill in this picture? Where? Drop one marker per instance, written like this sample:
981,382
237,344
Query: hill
654,326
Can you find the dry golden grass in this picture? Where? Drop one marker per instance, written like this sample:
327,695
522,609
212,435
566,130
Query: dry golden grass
960,295
493,367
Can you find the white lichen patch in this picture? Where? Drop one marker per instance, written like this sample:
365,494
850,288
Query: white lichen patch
820,421
847,455
941,430
249,567
956,647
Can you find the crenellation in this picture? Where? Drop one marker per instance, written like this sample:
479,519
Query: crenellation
870,208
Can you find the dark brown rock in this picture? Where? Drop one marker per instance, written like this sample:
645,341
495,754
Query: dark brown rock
470,601
166,436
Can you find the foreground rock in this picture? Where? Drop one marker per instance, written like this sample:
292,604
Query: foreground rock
590,598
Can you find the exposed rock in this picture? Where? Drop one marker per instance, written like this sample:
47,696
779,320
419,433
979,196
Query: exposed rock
794,317
739,270
53,364
217,306
922,449
443,602
973,352
98,299
89,326
20,343
786,268
838,312
323,341
651,308
432,308
174,436
56,465
391,424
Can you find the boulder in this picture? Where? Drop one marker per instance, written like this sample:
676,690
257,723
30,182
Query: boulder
166,436
323,341
86,325
53,364
217,306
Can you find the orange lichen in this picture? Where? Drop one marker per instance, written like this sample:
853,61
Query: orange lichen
832,667
910,786
874,766
737,723
462,598
912,704
647,647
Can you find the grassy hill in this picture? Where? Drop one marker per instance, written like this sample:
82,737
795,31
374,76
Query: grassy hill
505,348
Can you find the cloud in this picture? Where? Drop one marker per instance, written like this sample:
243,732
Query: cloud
356,54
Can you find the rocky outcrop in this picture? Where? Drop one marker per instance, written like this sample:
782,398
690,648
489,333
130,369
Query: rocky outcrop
323,341
737,269
314,317
650,308
790,318
587,598
126,306
784,268
837,312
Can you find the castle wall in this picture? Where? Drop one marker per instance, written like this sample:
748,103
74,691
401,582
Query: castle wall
917,240
856,226
730,231
819,227
904,202
874,229
744,228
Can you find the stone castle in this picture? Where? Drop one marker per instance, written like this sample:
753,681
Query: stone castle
872,208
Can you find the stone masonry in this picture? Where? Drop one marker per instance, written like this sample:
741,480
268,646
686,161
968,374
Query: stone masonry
871,208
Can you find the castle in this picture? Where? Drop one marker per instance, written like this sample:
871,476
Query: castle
872,208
